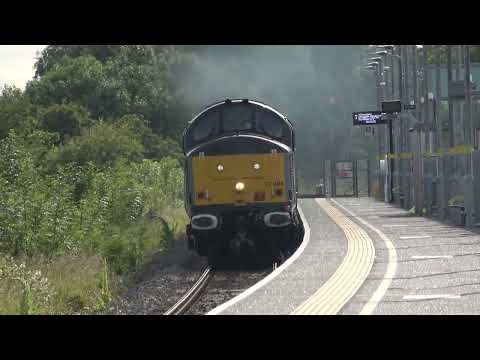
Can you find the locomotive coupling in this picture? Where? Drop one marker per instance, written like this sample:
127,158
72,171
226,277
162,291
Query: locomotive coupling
277,219
204,222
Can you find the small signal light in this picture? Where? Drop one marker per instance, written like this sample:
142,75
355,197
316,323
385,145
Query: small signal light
201,196
259,196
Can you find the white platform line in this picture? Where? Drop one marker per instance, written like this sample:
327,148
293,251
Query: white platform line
432,256
431,297
391,266
415,237
272,275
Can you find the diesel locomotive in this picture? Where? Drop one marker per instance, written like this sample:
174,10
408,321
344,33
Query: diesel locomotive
240,183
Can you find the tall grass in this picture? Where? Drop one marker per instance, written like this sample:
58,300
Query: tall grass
91,226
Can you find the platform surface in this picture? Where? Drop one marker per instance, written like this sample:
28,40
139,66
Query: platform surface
367,257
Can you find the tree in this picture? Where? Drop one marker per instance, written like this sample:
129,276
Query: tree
102,144
133,79
16,110
54,55
80,81
65,119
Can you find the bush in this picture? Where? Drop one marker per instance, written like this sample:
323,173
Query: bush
65,119
16,110
102,144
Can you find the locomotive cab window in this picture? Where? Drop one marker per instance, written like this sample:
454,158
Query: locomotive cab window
247,118
270,124
237,118
207,126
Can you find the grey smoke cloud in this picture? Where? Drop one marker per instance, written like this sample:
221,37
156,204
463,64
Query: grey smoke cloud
297,80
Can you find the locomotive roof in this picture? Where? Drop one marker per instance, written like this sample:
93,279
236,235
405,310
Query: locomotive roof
239,101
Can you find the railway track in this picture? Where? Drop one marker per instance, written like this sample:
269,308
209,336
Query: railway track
214,288
186,301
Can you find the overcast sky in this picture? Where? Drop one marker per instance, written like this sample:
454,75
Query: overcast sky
16,63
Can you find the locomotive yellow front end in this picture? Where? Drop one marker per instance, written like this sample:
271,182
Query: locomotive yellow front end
239,180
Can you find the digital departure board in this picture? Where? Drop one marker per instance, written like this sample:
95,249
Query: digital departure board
369,118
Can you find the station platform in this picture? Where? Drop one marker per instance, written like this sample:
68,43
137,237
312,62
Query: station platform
361,256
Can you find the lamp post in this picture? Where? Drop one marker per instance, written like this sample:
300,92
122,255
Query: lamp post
390,71
468,98
376,62
389,183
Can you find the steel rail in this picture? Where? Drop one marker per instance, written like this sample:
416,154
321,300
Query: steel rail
187,300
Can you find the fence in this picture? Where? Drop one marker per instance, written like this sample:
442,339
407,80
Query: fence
449,185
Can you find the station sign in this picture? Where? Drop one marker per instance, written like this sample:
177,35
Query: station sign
409,107
369,118
394,106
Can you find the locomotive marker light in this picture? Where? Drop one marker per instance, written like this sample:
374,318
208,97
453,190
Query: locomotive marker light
256,166
277,219
239,186
220,167
204,222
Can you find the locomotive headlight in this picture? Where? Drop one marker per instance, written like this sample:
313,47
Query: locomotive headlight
239,186
220,167
256,166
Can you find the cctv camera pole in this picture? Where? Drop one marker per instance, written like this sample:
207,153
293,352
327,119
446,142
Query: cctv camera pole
468,99
458,119
438,90
418,149
451,139
426,97
442,195
380,133
405,124
392,75
469,200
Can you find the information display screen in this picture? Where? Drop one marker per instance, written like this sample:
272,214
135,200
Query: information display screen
369,118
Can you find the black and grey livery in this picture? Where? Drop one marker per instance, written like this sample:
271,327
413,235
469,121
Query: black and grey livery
248,128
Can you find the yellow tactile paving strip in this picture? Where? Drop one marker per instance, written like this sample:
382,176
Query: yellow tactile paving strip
350,275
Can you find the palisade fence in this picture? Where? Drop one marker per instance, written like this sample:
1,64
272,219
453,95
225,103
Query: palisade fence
450,185
436,169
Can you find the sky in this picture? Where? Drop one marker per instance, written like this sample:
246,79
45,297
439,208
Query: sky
16,64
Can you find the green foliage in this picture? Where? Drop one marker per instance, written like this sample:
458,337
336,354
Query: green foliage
54,55
90,177
65,119
85,208
102,144
81,81
156,146
16,110
33,289
111,82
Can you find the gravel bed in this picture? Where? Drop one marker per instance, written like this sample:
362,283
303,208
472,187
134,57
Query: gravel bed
168,276
224,286
161,283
